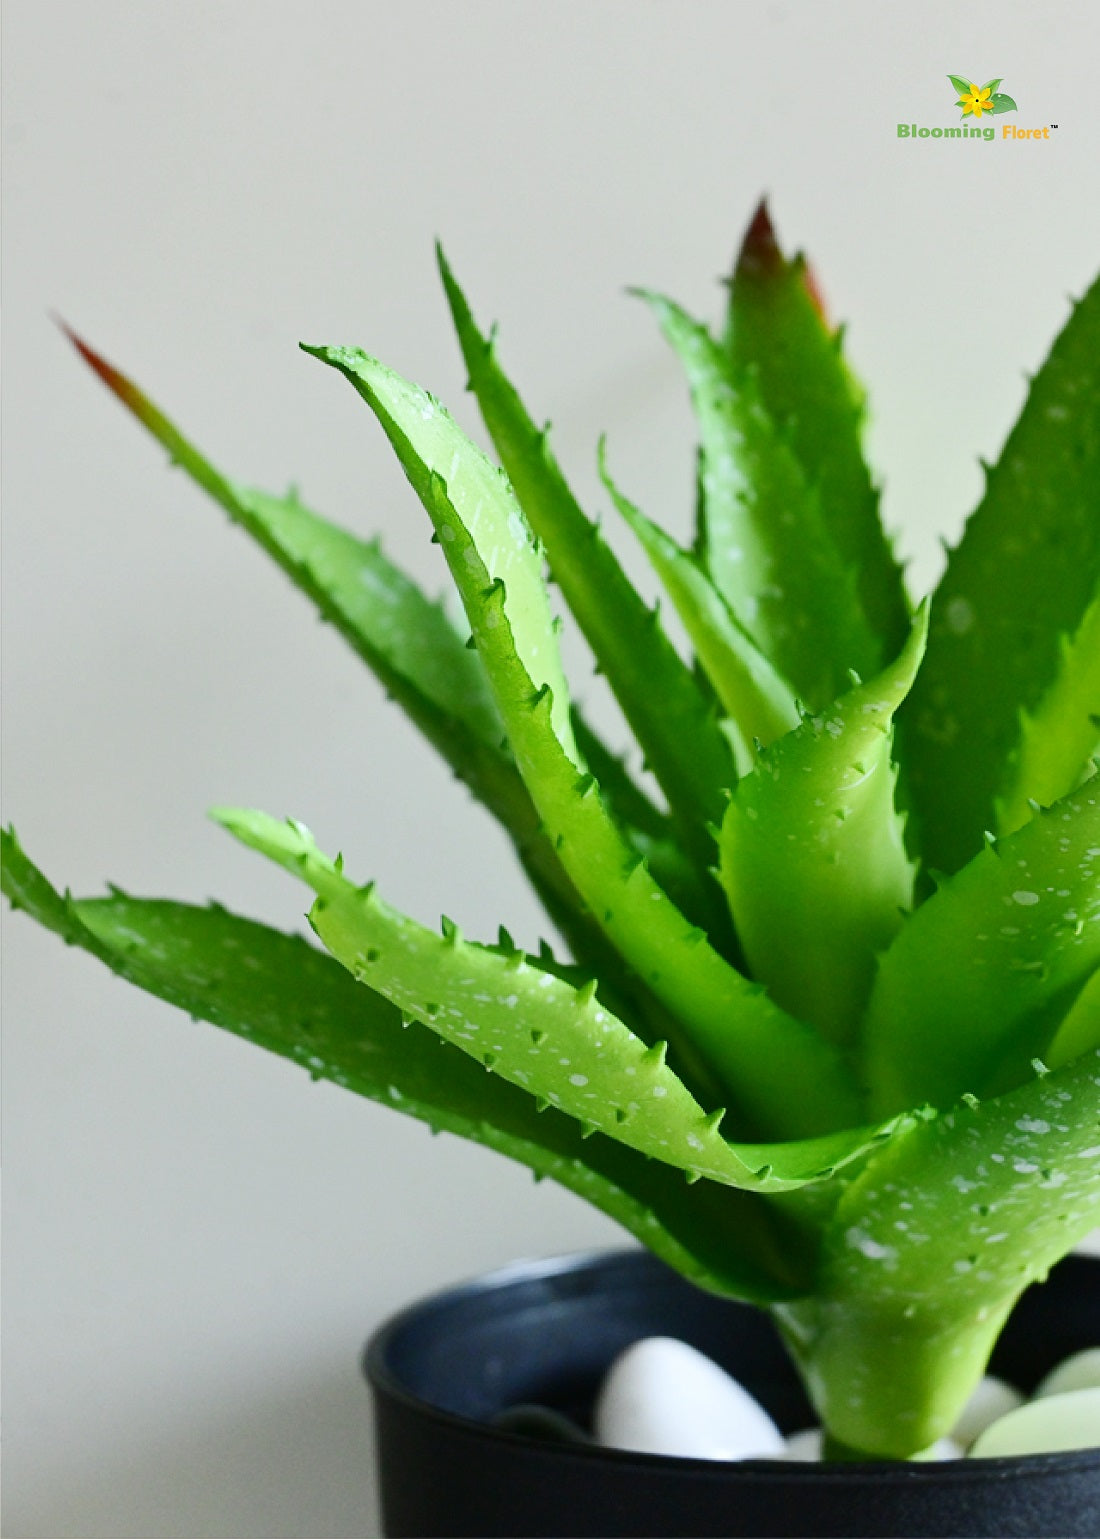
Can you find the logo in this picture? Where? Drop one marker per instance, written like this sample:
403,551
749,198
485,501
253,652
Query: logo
977,100
978,105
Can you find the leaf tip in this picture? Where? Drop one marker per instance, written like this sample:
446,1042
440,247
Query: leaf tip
118,383
760,255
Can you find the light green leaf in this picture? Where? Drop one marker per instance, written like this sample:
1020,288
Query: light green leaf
932,1244
757,700
724,1021
765,544
976,982
536,1030
1022,578
443,466
813,858
1002,103
960,83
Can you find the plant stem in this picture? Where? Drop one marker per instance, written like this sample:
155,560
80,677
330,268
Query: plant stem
887,1382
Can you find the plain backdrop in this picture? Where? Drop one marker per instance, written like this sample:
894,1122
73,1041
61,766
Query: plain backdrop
199,1238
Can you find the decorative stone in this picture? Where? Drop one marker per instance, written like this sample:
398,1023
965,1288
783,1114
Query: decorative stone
1052,1424
1081,1371
805,1447
662,1396
992,1399
945,1448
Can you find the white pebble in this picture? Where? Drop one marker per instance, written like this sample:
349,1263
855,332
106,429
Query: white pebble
805,1447
662,1396
946,1448
992,1399
1081,1371
1050,1425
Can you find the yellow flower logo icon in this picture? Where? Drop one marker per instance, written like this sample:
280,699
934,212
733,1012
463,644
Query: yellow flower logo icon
976,100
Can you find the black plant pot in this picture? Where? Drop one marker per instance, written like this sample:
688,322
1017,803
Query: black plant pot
544,1333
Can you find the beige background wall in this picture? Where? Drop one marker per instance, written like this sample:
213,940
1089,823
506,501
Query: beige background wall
198,1238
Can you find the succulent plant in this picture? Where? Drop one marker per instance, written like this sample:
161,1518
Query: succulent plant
828,1034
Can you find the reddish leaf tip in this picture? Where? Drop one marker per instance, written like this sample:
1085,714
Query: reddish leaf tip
760,254
117,382
105,371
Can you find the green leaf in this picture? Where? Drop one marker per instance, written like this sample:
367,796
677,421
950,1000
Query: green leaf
960,83
445,468
725,1022
813,858
1021,579
1079,1031
627,800
976,982
765,543
757,700
28,891
536,1030
284,995
1002,103
1058,738
929,1248
991,85
776,328
678,735
407,641
650,831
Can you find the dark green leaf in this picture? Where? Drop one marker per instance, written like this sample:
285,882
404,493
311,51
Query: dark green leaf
1019,582
755,698
676,731
282,994
1079,1030
696,894
765,542
1058,738
777,329
405,639
630,804
980,976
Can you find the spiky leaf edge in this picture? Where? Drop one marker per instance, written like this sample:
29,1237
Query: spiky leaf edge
783,1080
341,1031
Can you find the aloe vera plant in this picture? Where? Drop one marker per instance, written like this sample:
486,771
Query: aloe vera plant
827,1037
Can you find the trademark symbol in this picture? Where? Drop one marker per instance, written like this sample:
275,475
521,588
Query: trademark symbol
1054,125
